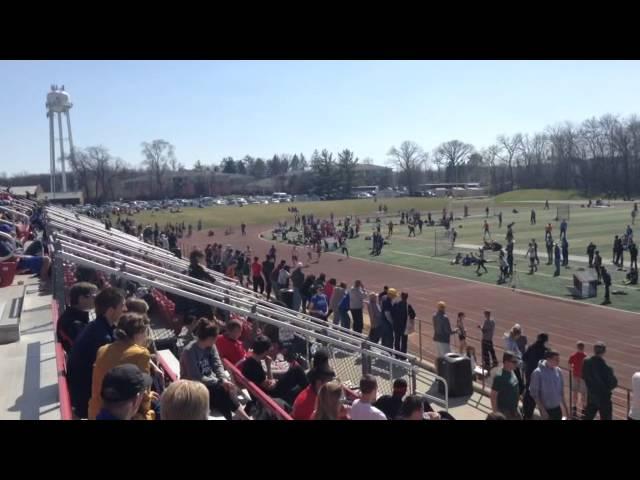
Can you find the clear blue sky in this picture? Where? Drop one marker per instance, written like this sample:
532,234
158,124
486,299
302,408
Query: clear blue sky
212,109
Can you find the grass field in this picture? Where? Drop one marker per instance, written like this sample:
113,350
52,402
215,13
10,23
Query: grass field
585,224
216,217
537,195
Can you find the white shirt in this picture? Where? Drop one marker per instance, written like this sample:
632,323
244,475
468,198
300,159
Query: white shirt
634,412
365,411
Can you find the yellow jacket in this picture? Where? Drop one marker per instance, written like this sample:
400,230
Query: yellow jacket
112,355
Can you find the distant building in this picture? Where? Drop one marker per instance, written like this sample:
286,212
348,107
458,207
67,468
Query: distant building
29,190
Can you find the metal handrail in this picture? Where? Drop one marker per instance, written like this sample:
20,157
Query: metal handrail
206,289
59,218
246,292
14,212
226,306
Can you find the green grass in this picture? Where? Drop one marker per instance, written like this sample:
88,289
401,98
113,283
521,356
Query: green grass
224,216
537,195
585,224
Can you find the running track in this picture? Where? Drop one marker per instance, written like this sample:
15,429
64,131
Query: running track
565,321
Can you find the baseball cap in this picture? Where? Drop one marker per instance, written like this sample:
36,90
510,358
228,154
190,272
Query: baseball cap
123,383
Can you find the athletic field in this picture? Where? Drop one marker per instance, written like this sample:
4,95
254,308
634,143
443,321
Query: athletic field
426,253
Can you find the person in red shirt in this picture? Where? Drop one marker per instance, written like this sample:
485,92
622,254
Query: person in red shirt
328,288
229,346
256,274
578,387
305,402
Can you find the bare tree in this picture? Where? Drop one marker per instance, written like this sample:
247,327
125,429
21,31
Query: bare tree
158,155
509,148
408,158
453,154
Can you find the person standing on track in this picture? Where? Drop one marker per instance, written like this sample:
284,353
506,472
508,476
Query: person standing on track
488,329
600,381
454,235
578,387
500,219
390,229
533,217
256,274
546,204
547,388
243,228
532,357
462,334
267,270
486,212
294,255
412,229
442,330
357,295
556,255
344,247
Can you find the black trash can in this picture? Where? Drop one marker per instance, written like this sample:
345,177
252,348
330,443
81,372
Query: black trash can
286,297
456,370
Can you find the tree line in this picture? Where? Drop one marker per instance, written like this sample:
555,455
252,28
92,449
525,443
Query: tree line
600,156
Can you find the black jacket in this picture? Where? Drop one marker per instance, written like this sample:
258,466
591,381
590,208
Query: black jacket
81,360
70,325
400,312
599,378
297,278
532,357
196,271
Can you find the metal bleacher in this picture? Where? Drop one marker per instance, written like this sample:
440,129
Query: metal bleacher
84,242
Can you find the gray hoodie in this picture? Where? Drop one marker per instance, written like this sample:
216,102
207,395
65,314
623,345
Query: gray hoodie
547,385
201,365
441,328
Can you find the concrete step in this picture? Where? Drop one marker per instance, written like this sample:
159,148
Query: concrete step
11,303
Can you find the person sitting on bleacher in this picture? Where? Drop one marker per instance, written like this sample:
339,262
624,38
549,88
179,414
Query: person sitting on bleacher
109,307
200,362
131,336
76,316
329,405
305,403
413,409
185,400
122,392
10,250
390,404
287,387
229,344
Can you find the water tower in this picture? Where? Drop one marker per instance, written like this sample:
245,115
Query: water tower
58,101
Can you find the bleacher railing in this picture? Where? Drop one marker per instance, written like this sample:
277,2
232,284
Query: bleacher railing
132,262
134,251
